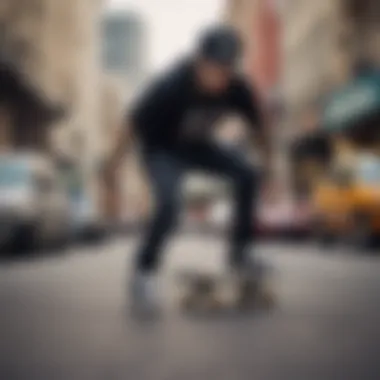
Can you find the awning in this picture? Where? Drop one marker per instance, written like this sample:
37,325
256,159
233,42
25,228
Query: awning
16,90
355,103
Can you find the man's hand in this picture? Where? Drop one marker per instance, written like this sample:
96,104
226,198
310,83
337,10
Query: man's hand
121,145
109,173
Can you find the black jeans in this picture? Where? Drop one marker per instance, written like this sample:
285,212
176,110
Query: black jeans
165,169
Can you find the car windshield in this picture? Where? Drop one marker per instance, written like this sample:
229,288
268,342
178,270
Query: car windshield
13,174
369,171
341,175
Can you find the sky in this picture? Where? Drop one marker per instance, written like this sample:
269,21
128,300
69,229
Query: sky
172,24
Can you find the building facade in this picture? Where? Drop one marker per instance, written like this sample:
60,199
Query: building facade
261,27
323,43
73,75
25,106
310,55
124,46
56,45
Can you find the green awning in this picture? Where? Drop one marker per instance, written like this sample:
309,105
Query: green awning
352,104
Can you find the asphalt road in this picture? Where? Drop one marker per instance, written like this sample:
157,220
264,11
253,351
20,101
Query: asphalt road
64,318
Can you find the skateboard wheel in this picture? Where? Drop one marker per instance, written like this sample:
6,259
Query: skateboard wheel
215,304
201,302
267,299
188,302
255,296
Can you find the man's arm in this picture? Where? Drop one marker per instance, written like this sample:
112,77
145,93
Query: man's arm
111,189
264,142
250,107
122,143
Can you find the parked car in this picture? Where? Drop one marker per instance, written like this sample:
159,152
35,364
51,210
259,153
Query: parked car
85,222
33,204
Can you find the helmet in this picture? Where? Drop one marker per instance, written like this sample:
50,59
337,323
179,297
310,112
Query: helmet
221,44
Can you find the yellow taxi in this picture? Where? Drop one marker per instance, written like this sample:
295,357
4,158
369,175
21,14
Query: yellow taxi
347,201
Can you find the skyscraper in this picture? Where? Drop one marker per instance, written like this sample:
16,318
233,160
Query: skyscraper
124,50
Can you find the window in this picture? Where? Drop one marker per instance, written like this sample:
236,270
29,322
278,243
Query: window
369,170
122,44
13,174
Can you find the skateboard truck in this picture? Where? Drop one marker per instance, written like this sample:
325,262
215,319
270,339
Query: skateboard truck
208,292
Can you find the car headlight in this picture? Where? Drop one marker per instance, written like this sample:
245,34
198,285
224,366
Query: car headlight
19,207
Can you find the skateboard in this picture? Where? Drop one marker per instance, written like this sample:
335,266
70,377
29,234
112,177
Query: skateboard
209,292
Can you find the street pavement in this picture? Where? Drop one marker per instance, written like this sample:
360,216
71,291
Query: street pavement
64,317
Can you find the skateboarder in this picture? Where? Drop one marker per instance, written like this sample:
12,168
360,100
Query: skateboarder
172,123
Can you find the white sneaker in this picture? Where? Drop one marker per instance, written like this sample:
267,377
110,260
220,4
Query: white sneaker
145,294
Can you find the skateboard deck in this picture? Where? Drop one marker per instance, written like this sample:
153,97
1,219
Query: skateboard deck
210,292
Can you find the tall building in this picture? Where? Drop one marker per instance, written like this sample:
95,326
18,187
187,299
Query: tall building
56,44
73,74
261,27
124,46
25,106
323,43
310,30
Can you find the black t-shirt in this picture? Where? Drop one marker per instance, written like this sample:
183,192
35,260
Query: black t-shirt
173,111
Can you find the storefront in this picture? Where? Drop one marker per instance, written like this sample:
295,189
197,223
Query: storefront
346,202
349,123
354,111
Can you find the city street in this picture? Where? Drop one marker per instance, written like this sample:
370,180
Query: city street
64,318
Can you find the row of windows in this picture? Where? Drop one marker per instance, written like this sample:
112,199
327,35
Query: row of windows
122,45
303,19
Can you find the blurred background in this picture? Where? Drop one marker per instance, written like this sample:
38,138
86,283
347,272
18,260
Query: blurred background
69,71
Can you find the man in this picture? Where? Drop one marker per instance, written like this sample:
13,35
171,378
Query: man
172,123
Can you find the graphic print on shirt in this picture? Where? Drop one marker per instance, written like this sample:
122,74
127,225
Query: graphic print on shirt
199,122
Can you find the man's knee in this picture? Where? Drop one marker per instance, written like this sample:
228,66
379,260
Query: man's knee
167,209
247,178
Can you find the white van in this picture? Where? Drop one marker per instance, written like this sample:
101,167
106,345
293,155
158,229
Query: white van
34,208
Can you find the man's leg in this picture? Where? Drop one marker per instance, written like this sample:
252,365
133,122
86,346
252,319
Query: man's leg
245,180
164,171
